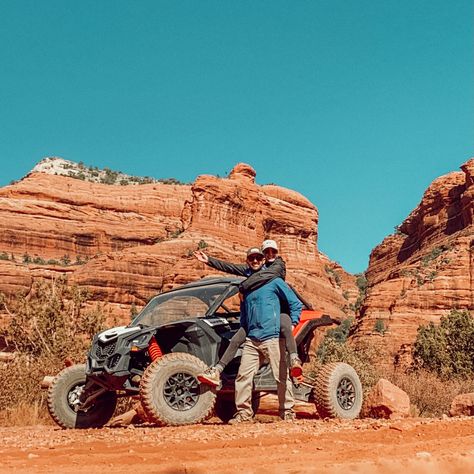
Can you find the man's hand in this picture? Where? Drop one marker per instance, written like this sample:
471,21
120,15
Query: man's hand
201,256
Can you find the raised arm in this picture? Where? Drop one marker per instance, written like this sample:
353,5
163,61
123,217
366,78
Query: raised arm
276,270
232,268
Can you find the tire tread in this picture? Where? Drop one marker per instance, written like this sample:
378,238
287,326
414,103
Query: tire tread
322,389
146,388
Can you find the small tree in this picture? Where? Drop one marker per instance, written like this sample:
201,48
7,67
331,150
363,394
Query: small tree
447,349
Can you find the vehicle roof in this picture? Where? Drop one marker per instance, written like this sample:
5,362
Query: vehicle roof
229,280
213,280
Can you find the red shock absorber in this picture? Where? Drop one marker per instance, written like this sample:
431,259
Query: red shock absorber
154,349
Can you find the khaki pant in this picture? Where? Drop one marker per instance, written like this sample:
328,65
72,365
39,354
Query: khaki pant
253,355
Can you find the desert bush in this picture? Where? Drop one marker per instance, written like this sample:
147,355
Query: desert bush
447,349
333,275
202,244
362,285
170,181
176,233
380,327
44,328
339,333
429,393
20,392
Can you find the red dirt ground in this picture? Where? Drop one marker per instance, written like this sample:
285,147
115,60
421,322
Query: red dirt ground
268,446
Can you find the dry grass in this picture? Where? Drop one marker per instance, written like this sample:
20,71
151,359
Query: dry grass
25,414
45,328
429,395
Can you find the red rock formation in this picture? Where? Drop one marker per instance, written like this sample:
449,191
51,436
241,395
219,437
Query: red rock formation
426,270
139,239
462,405
386,400
50,216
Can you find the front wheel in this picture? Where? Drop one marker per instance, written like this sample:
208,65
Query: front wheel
171,393
63,401
338,392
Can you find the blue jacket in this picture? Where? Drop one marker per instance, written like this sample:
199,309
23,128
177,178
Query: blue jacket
261,310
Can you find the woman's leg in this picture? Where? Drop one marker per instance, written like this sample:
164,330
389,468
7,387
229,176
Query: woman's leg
212,376
237,340
286,332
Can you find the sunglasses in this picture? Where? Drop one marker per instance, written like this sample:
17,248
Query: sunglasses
257,258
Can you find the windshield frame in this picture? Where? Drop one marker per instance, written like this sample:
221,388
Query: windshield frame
227,288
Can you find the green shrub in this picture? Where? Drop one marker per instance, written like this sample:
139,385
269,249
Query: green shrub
176,233
333,275
110,177
339,333
433,255
170,181
380,326
362,283
65,260
202,244
447,349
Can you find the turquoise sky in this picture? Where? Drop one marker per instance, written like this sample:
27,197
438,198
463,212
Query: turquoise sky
357,104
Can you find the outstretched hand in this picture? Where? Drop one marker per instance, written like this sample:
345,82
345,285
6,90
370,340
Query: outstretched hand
201,256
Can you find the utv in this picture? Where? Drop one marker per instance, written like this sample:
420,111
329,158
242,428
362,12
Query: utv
175,337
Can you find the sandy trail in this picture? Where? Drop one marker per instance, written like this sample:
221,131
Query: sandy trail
307,445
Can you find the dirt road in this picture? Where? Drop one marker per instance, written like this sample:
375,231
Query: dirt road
307,445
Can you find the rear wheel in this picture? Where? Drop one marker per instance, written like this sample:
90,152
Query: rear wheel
338,391
63,401
171,393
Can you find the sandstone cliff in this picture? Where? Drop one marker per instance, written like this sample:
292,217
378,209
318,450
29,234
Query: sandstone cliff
425,270
126,243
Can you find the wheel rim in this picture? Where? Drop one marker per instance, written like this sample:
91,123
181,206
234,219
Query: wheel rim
346,393
73,397
181,391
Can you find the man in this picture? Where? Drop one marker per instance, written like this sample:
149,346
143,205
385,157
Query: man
260,319
280,370
258,275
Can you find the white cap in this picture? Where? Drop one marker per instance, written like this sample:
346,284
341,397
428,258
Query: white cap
269,244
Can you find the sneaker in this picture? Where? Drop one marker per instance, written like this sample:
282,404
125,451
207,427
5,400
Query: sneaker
240,418
296,368
210,376
288,416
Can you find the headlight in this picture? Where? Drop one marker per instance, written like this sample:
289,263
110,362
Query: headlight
140,342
